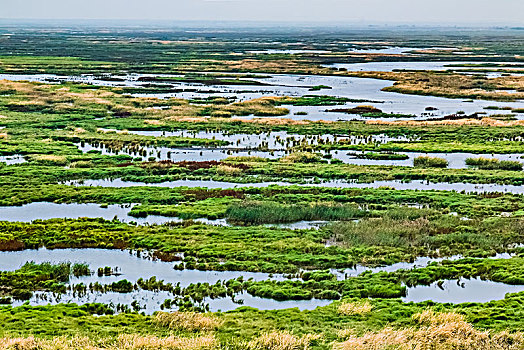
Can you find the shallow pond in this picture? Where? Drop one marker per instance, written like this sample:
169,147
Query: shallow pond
389,66
461,291
455,160
11,160
419,262
271,140
47,210
183,154
132,267
398,185
177,183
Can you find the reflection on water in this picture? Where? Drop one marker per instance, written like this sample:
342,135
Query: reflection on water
46,210
11,160
461,291
132,267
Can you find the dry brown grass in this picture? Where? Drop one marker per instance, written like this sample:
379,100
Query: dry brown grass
281,341
274,66
190,321
50,158
355,308
301,157
153,122
450,85
124,342
228,170
442,331
135,342
246,159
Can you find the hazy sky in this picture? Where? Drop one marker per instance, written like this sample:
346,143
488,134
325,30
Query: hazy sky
458,12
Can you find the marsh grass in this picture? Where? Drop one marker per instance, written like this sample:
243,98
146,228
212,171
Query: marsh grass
256,213
383,232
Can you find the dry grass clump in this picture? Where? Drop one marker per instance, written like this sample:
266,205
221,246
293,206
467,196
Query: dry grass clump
135,342
50,159
430,317
301,157
281,341
153,122
58,343
81,164
191,321
124,342
355,308
228,170
246,159
443,331
111,131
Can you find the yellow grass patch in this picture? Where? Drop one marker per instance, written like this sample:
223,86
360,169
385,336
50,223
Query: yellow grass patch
153,122
109,131
228,170
124,342
50,158
442,331
191,321
281,341
355,308
135,342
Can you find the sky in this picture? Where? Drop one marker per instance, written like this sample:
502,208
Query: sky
455,12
